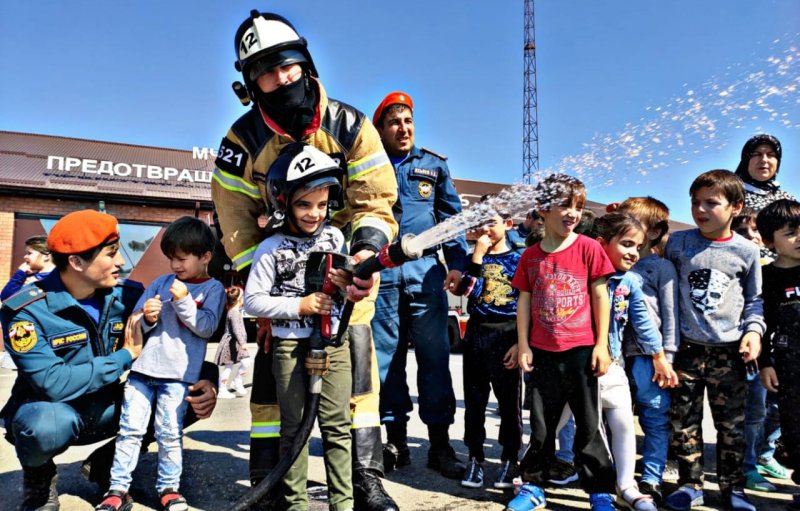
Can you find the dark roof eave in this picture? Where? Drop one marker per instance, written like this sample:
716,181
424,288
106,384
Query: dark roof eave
117,198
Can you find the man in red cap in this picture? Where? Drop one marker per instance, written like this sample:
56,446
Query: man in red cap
67,335
411,303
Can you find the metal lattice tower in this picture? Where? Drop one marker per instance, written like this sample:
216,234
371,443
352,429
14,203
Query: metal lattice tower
530,115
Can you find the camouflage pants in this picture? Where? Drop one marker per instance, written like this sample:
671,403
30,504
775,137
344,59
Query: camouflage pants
719,370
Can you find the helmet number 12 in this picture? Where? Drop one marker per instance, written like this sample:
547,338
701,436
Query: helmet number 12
304,164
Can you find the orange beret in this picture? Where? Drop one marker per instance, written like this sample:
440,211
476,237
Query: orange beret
82,230
393,98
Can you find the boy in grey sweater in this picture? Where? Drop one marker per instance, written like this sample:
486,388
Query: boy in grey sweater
722,322
181,311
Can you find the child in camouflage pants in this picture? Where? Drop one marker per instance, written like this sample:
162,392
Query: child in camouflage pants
722,323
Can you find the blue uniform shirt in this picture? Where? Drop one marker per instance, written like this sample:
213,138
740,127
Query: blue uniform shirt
425,197
61,353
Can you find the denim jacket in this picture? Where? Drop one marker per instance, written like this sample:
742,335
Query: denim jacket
627,305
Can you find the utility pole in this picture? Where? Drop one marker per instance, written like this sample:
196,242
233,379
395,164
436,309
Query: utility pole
530,115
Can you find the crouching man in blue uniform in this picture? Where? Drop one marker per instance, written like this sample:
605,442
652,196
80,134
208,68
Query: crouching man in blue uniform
411,303
67,335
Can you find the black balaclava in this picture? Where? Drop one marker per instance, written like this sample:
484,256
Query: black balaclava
292,106
749,147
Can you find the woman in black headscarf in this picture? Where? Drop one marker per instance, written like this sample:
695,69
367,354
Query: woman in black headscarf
758,168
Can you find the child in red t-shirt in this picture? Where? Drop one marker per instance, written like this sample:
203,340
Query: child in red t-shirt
562,334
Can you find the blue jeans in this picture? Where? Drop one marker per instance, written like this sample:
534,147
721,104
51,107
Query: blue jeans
566,440
762,426
170,399
412,306
653,404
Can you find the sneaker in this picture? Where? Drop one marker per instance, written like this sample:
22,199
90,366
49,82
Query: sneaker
530,497
735,500
224,393
684,498
652,489
115,500
171,500
506,474
562,472
633,498
601,502
239,389
755,481
772,468
473,477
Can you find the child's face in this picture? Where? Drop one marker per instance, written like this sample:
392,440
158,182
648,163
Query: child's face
713,213
787,244
750,231
310,210
562,218
623,249
495,229
189,266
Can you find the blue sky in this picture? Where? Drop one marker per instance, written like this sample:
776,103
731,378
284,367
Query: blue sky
636,97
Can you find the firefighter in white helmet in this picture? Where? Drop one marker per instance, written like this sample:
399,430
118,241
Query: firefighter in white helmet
289,105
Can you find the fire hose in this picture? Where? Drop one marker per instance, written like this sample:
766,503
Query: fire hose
317,363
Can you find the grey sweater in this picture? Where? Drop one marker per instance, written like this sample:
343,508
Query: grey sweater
175,346
719,287
660,289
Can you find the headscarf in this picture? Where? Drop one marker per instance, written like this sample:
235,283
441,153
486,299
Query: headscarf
750,146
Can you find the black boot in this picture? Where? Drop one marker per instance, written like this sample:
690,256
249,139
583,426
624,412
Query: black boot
368,492
441,456
96,468
396,453
39,488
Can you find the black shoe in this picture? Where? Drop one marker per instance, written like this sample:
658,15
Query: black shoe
562,473
395,456
39,491
652,489
443,460
368,492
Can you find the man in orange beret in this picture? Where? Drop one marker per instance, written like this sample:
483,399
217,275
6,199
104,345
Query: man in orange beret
67,335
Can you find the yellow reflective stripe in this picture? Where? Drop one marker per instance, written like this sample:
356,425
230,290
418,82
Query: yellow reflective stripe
366,420
366,165
235,184
265,429
244,258
374,222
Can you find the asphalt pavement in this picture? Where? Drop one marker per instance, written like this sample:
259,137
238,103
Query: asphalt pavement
216,452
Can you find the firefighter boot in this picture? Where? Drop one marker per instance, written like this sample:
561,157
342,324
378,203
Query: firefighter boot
368,492
441,456
396,453
39,488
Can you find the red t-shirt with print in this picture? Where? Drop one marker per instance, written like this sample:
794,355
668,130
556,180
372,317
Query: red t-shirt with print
559,284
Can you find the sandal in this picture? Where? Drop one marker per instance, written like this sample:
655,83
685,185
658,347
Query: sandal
115,500
171,500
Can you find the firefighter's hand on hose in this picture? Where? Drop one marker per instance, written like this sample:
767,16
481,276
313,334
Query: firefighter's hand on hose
360,288
316,303
264,334
317,363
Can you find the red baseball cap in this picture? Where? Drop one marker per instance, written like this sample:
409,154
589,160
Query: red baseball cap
393,98
83,230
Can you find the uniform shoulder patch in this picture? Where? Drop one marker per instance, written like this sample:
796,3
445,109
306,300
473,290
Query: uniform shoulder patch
24,297
22,336
426,150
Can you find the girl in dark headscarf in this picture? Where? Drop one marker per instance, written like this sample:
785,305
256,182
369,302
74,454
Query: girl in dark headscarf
758,168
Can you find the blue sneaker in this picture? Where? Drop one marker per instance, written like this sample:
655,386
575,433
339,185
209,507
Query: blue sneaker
601,502
530,497
684,498
736,500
